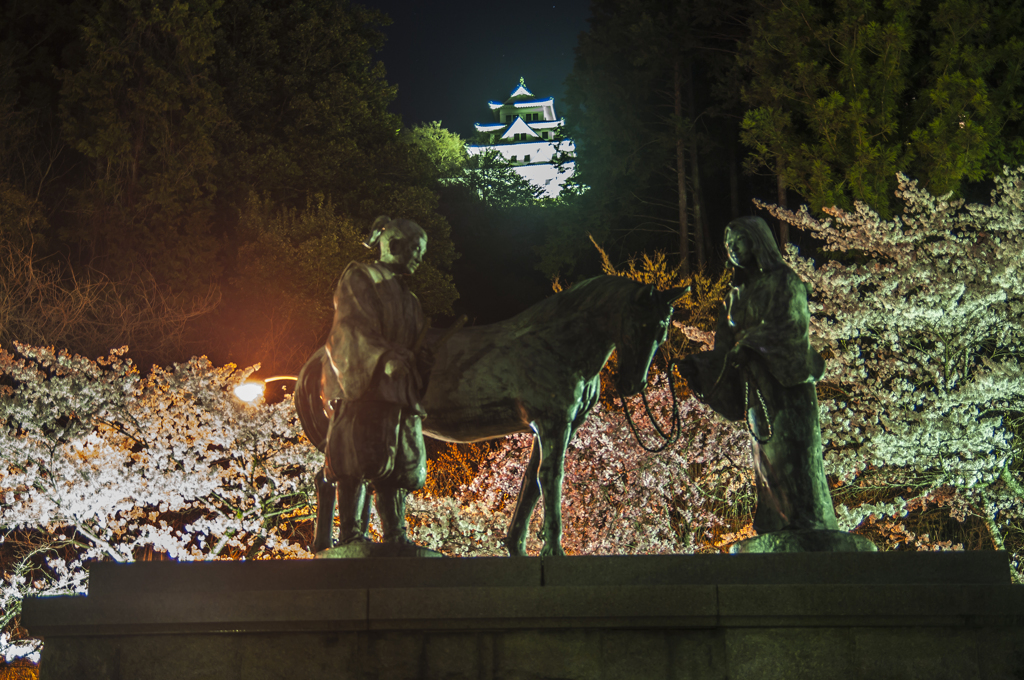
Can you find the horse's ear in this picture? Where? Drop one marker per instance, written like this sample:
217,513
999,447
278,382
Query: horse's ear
669,297
645,293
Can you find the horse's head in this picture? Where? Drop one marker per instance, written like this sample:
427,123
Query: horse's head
644,327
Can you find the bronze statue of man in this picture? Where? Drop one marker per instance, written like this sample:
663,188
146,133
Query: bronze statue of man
763,369
375,434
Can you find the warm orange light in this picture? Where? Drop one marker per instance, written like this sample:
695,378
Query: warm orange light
249,391
252,390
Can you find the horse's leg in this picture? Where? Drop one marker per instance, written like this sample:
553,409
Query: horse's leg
324,513
529,494
553,440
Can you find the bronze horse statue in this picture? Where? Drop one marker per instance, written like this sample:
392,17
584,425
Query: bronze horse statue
538,371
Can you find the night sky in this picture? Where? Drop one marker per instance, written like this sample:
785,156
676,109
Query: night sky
450,58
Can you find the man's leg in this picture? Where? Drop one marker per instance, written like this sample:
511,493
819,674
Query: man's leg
351,502
409,472
391,508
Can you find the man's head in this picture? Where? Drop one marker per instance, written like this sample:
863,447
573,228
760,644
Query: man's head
403,243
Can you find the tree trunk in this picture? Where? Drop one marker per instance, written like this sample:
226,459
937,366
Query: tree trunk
699,228
780,177
684,217
734,177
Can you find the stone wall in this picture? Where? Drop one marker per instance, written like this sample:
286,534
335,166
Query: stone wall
867,616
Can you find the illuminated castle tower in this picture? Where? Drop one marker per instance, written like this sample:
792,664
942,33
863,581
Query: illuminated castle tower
526,133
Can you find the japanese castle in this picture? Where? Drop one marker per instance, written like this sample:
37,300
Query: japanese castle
526,133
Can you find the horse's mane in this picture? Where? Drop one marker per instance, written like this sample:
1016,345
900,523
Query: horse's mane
603,294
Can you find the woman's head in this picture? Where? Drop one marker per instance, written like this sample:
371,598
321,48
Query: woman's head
403,243
751,246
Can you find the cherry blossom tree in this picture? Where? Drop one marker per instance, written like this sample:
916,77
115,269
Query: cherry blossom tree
921,318
100,463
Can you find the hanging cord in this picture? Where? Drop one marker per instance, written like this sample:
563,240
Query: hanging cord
672,436
751,385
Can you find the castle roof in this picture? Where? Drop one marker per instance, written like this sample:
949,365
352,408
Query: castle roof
533,125
518,126
520,103
519,91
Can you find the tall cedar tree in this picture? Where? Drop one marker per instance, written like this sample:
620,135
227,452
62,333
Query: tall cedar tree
311,156
34,165
846,93
648,104
142,111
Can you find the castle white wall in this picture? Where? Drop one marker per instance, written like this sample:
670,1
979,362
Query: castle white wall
538,170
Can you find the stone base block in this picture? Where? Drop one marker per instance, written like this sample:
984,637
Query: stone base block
803,541
364,550
559,654
796,616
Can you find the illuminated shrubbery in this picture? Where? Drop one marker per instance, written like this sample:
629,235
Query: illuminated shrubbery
621,499
618,498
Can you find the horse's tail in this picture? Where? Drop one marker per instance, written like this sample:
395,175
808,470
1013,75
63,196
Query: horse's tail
309,401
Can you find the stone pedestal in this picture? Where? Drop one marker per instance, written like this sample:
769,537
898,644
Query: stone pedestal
847,616
803,541
365,550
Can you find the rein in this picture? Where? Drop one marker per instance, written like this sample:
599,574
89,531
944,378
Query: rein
672,436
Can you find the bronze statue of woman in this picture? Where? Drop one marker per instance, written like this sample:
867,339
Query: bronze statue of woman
763,369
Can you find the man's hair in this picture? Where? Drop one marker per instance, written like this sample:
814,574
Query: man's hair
387,228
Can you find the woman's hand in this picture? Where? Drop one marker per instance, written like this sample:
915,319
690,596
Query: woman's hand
399,363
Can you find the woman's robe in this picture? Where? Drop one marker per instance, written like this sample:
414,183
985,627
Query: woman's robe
763,369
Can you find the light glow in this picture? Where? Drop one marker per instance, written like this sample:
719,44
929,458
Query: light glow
249,391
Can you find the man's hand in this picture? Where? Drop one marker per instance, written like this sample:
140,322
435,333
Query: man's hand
395,368
424,361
